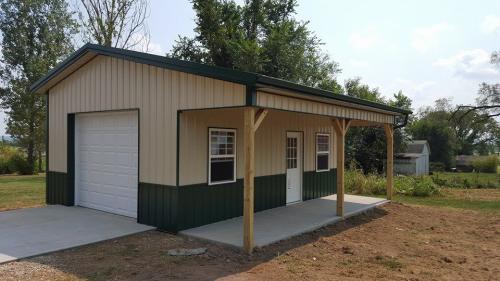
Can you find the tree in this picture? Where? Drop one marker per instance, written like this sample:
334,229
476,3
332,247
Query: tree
259,36
432,125
473,131
115,23
36,34
488,100
366,146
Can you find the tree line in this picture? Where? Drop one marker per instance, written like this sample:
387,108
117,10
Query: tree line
262,36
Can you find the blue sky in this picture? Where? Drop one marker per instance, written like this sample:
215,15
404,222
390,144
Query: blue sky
427,49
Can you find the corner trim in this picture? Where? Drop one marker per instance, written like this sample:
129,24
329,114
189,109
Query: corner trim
251,95
70,157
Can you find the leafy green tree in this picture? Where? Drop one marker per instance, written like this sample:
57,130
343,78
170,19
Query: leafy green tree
36,34
432,125
259,36
366,146
473,132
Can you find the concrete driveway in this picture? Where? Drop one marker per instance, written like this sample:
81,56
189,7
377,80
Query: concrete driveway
35,231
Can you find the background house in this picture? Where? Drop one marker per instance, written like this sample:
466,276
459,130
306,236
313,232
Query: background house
415,160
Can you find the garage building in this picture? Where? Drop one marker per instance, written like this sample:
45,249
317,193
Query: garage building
178,144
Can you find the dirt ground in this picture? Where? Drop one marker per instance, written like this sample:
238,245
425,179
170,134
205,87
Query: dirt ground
393,242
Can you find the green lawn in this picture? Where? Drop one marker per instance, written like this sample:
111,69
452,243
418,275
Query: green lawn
474,180
488,206
21,191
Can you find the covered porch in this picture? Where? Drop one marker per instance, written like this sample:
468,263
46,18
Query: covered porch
277,224
288,166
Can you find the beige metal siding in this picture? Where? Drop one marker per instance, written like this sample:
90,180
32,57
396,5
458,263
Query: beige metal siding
107,83
270,141
270,100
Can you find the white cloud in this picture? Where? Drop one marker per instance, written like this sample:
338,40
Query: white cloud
491,24
364,39
470,64
425,39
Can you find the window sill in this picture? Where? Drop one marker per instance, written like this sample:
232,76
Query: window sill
321,171
221,182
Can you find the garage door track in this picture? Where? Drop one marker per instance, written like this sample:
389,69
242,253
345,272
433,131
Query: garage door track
36,231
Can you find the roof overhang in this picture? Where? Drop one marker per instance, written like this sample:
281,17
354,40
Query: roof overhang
252,80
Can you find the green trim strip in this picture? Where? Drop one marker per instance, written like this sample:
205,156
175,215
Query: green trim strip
251,96
71,158
46,146
226,74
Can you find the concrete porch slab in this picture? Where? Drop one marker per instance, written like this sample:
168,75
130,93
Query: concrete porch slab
284,222
36,231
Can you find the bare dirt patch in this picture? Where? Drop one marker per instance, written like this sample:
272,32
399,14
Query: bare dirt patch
394,242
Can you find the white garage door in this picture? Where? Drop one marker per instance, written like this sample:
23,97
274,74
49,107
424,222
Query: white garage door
106,162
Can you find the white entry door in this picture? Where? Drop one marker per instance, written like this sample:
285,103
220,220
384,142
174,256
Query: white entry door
106,161
293,167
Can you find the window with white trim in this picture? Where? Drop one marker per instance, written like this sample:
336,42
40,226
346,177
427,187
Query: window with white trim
322,152
222,156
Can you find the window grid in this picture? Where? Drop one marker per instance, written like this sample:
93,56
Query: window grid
222,150
322,152
291,152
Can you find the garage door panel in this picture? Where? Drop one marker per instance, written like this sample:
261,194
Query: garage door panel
107,162
108,179
96,159
93,189
107,174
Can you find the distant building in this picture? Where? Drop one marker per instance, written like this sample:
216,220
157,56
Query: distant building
415,160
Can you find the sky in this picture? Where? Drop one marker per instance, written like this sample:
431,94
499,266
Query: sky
427,49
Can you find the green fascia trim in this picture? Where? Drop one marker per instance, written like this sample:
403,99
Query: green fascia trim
221,73
58,191
279,83
319,184
216,72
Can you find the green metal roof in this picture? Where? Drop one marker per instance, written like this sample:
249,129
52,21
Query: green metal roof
226,74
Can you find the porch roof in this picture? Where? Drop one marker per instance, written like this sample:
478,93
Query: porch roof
253,81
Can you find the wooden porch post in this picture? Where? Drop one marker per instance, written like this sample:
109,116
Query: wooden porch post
248,187
341,126
252,121
389,134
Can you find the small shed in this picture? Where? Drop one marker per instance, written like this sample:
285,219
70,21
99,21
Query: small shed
415,160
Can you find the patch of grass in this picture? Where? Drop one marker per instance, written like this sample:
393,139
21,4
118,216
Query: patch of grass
389,262
467,180
444,201
102,274
21,191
